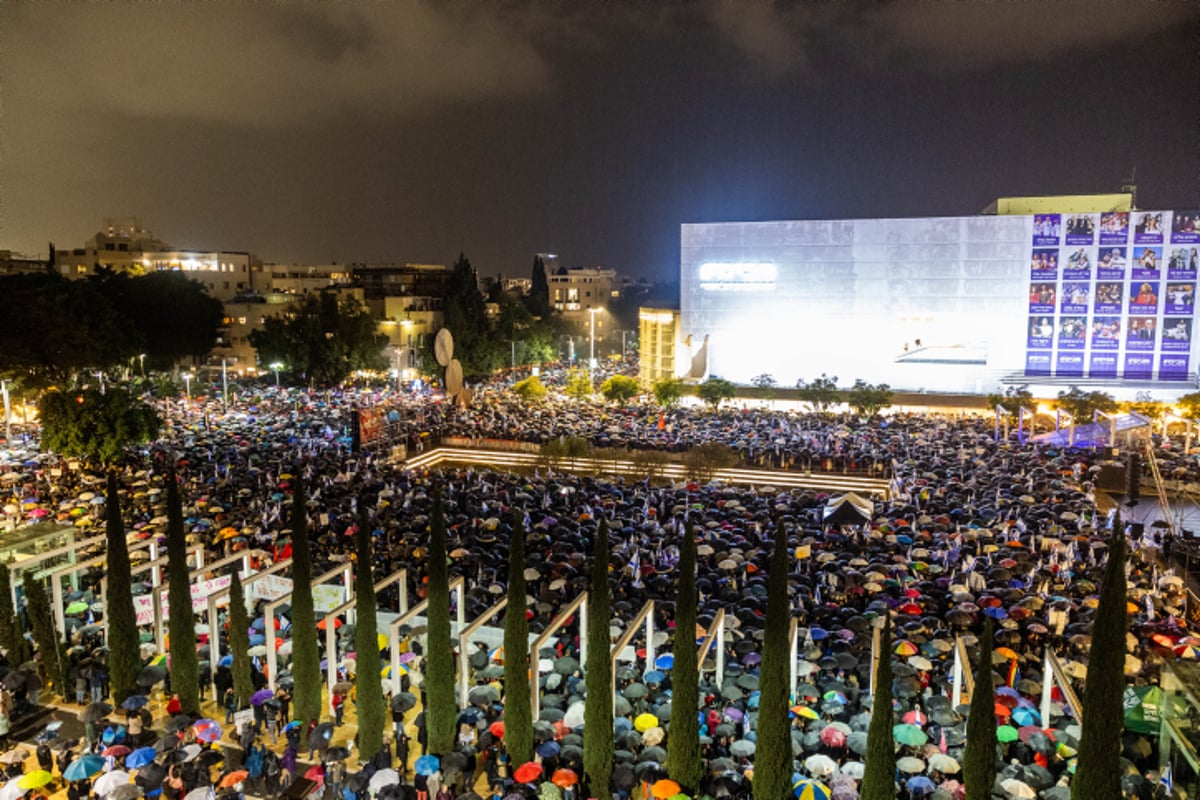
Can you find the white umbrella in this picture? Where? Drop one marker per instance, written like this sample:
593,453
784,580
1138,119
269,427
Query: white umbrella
853,769
1018,789
109,781
202,793
574,716
385,777
11,790
820,765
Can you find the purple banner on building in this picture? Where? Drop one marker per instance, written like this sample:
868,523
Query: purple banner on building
1141,333
1078,265
1173,368
1106,333
1143,297
1043,265
1081,229
1047,230
1181,299
1037,363
1069,365
1148,227
1111,264
1104,365
1138,366
1109,297
1072,333
1075,298
1114,227
1042,297
1177,335
1041,333
1185,227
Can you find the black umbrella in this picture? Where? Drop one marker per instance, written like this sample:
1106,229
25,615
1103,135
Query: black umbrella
151,776
95,712
155,673
320,737
338,753
404,701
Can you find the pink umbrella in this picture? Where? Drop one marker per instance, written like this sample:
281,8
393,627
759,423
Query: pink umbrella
955,789
916,717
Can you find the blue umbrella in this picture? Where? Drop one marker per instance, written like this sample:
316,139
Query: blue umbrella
920,785
257,638
654,676
1023,716
84,767
226,661
140,757
549,749
134,702
665,661
258,624
426,765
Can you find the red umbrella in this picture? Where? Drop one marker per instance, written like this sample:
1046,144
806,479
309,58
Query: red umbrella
528,772
833,737
497,729
564,778
315,773
116,751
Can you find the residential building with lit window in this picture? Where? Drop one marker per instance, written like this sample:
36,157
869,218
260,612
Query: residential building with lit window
123,245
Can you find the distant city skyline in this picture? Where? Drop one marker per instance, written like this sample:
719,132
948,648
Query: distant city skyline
414,131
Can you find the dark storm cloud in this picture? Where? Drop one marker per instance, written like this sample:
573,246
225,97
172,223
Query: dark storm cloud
781,38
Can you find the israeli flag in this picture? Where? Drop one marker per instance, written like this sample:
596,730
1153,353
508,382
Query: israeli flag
1166,780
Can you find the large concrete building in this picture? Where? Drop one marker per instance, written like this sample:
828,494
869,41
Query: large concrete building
1098,298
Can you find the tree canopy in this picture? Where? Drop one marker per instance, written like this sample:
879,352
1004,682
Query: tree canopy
1082,405
95,426
324,337
620,389
820,393
667,391
715,391
868,399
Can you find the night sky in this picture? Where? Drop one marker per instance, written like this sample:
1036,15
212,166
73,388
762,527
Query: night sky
411,131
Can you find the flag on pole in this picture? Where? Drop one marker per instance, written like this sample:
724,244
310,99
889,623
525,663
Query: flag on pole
1013,674
1166,780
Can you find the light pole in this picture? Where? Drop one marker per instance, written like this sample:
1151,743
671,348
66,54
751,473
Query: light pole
275,367
142,359
224,385
399,366
187,388
7,414
592,342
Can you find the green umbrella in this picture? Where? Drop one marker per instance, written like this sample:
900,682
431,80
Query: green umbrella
78,607
1006,734
909,735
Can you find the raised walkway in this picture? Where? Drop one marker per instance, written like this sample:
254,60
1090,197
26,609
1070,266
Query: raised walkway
503,459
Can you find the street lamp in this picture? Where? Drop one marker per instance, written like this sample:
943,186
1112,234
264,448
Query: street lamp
275,367
8,414
187,386
142,359
592,342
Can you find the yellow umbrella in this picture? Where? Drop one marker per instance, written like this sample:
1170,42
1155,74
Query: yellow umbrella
645,722
35,780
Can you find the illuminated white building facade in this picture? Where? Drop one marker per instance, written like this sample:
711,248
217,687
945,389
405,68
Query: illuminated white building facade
955,304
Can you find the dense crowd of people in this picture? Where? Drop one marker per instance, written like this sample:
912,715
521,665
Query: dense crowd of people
971,529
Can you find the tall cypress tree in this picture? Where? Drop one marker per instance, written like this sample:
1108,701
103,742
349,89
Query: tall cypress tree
683,744
879,778
442,713
773,753
1098,774
239,642
598,681
367,678
124,656
518,709
181,621
50,645
306,659
14,644
539,289
979,760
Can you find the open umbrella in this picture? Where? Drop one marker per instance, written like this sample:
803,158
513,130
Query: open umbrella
207,730
820,765
126,791
35,780
321,736
233,778
528,772
261,696
805,789
664,788
382,778
84,767
109,781
427,765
